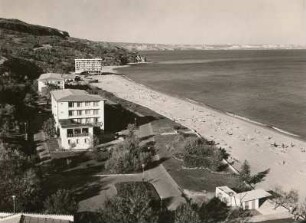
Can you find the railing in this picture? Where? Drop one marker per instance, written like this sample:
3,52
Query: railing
78,135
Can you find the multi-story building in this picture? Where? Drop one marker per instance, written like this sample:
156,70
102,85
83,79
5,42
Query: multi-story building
92,66
50,78
76,113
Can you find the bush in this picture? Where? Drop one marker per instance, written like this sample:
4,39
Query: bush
128,156
202,153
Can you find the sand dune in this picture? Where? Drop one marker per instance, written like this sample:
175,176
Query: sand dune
263,147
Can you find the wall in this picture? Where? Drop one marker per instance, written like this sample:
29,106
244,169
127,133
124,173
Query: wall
43,83
62,110
101,114
81,144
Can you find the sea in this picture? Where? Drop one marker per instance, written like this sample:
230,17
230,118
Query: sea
265,86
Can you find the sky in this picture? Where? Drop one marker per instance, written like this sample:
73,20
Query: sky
169,21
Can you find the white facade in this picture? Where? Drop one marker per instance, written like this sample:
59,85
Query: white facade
92,66
50,78
246,200
83,112
76,137
76,113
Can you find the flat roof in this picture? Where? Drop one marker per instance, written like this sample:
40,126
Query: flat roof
252,195
34,218
89,59
50,76
226,189
74,95
68,123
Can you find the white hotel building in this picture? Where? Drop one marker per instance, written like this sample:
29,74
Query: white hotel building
92,66
76,113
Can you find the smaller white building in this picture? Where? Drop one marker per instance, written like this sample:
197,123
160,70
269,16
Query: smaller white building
50,78
92,66
247,200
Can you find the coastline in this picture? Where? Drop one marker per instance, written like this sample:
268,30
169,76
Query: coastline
262,145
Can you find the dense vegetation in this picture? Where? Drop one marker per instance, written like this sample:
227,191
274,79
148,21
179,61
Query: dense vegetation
54,50
202,153
129,156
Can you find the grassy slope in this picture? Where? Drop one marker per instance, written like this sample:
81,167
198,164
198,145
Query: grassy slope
53,50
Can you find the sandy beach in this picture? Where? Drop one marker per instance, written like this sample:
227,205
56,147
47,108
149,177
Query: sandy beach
263,147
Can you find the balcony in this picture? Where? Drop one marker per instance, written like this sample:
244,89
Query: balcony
77,135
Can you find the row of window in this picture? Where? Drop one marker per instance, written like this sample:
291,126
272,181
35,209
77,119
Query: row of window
77,141
83,112
82,104
77,131
86,120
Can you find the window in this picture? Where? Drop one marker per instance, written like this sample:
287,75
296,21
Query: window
95,120
85,130
69,141
79,104
70,113
85,140
77,141
87,112
96,104
70,104
77,131
95,112
87,120
87,103
69,132
79,112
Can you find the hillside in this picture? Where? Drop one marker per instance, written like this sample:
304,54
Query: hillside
54,50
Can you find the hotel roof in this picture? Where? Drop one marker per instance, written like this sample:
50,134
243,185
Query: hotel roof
74,95
34,218
252,195
68,123
227,190
50,76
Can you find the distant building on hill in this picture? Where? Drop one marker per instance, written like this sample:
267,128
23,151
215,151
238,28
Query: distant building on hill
248,200
92,66
34,218
76,113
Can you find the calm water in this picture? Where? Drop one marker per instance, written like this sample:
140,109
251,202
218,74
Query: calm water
265,86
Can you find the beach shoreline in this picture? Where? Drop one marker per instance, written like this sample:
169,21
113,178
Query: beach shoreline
263,146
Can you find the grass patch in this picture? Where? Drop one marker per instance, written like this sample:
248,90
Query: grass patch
192,179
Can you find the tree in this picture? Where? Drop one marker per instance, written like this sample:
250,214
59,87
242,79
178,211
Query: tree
245,176
128,156
49,127
283,198
199,152
300,212
7,118
61,202
132,204
49,88
214,211
186,214
20,178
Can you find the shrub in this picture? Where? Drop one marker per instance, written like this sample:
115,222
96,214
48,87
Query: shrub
202,153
